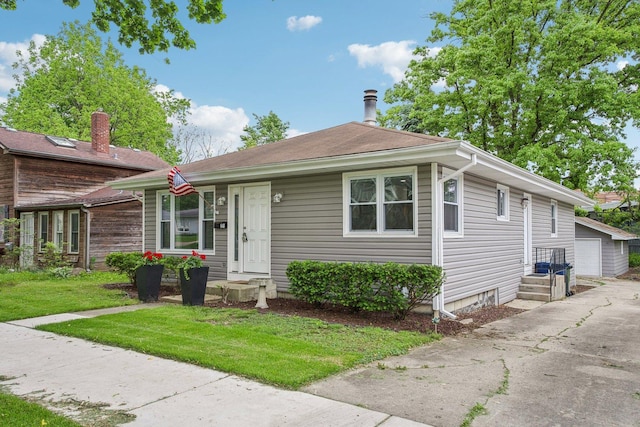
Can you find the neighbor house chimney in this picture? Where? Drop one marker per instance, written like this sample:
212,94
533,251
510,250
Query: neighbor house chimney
370,100
100,132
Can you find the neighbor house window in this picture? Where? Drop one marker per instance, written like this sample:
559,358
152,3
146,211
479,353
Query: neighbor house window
74,232
58,229
43,229
502,202
380,202
452,205
186,223
554,218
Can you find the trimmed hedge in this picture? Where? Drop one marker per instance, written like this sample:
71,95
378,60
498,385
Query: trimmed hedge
390,287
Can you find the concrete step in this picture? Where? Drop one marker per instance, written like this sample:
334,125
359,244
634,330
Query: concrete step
524,287
534,296
241,291
177,299
535,279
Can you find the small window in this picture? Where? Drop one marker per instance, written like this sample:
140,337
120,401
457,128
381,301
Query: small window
58,229
43,230
74,232
554,218
452,205
502,203
380,202
186,222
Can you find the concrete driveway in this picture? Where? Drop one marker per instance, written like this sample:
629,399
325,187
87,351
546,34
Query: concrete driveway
574,362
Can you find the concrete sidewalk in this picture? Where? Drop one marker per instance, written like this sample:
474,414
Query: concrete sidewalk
97,382
574,362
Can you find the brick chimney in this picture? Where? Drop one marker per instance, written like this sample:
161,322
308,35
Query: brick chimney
370,100
100,132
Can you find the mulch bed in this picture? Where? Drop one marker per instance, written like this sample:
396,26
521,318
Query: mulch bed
417,322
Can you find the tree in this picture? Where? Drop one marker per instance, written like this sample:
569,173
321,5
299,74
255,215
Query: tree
196,143
269,128
534,82
71,76
131,19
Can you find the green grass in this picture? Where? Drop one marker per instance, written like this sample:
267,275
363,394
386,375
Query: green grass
273,349
31,294
17,412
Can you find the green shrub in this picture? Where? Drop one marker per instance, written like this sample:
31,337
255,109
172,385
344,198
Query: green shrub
60,272
391,287
124,262
52,257
634,260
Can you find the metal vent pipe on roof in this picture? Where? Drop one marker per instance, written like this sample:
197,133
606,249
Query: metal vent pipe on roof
370,100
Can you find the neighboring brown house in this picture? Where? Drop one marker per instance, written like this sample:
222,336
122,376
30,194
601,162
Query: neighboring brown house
56,186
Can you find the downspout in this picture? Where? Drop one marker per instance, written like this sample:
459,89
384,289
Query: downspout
437,229
87,252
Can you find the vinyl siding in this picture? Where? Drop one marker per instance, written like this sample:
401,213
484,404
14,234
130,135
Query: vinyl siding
613,262
565,236
218,262
489,255
308,224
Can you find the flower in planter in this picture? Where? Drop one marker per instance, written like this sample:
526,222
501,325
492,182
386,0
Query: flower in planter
194,260
151,258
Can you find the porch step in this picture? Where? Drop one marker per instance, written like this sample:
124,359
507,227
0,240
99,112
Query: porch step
241,291
541,289
534,296
535,279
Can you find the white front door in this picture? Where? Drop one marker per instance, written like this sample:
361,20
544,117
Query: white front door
27,239
250,231
527,238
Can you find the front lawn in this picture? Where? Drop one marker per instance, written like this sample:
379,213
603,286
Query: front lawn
32,294
279,350
17,412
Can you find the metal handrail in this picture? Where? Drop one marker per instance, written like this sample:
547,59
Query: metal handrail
551,261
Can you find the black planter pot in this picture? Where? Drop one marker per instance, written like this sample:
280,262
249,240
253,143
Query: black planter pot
148,278
194,288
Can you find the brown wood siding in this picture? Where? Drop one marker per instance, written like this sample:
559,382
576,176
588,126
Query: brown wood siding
39,180
490,254
308,224
6,182
114,228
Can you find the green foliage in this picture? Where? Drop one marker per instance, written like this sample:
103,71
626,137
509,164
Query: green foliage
52,257
125,263
535,83
60,272
634,260
59,89
131,17
11,255
269,128
390,287
285,351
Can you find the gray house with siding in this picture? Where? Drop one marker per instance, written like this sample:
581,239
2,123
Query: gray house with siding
601,250
358,192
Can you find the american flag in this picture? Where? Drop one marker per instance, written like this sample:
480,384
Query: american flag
178,185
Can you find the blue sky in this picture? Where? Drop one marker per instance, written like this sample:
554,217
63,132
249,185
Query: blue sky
308,61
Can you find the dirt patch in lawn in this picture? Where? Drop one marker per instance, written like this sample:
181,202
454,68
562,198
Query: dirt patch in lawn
417,322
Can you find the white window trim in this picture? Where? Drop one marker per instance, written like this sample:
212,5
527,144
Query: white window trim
56,231
70,230
378,174
201,207
42,243
448,234
553,208
507,201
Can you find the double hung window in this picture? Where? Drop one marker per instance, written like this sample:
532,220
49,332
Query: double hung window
186,223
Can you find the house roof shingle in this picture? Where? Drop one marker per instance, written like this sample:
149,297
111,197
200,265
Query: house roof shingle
100,197
36,145
615,233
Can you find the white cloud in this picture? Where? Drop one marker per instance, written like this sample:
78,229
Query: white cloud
294,132
303,23
621,64
220,122
8,56
392,57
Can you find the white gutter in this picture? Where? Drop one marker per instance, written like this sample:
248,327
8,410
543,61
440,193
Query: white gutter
437,233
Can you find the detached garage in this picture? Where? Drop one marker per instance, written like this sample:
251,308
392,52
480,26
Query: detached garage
601,250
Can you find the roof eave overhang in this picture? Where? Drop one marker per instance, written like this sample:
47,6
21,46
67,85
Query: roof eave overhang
453,154
75,159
